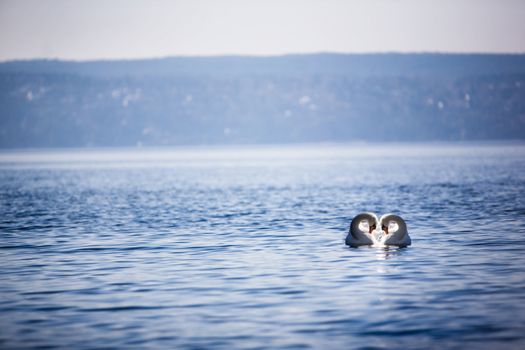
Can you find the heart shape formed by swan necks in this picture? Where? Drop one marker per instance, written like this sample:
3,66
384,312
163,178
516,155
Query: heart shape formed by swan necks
389,230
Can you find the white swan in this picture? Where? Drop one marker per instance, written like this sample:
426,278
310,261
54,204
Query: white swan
396,230
366,229
360,230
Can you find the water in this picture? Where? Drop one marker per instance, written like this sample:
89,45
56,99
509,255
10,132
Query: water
243,248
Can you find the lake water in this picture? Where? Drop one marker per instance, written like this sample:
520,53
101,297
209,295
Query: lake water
243,248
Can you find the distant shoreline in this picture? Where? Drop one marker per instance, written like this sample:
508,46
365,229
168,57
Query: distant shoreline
280,55
262,100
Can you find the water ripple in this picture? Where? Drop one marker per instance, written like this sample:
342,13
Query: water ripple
250,254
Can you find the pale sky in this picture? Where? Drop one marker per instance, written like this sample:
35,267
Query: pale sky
113,29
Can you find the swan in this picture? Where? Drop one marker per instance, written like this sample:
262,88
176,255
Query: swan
366,229
396,230
360,233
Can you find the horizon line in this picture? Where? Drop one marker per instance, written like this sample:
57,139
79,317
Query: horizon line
278,55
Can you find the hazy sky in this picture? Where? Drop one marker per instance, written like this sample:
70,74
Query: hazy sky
74,29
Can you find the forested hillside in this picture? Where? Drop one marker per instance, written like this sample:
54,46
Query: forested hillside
230,100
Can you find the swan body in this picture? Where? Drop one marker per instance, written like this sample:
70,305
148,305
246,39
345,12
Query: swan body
389,230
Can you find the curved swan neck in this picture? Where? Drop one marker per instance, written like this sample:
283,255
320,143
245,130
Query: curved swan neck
354,226
385,219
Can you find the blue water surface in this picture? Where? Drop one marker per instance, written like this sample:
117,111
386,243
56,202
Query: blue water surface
243,248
